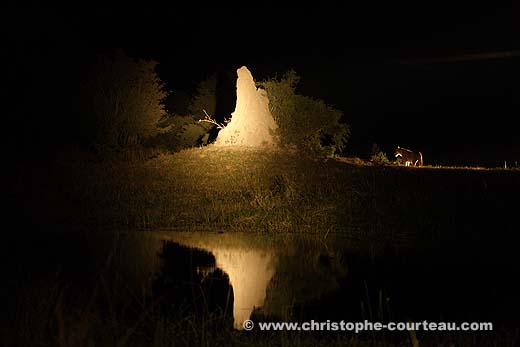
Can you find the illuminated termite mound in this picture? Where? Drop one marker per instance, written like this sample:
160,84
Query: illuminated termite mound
252,124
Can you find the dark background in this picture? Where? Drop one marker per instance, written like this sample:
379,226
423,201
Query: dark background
414,75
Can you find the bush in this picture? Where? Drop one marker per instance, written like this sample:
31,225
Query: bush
306,123
378,157
180,132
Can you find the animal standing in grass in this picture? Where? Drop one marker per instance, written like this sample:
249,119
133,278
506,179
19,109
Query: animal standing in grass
409,157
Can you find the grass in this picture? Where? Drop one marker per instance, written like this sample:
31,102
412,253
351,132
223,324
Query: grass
238,190
269,191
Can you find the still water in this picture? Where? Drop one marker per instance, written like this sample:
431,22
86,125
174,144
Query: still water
302,277
278,277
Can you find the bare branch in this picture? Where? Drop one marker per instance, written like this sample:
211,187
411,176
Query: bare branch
208,119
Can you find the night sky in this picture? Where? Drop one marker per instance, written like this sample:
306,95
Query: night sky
411,75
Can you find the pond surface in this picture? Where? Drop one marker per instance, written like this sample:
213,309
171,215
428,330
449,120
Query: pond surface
303,277
278,277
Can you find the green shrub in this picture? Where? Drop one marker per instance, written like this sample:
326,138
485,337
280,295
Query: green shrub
378,157
180,132
306,123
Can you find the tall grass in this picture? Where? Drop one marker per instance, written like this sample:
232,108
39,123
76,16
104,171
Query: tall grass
53,316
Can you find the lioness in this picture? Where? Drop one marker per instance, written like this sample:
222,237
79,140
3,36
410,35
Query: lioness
409,157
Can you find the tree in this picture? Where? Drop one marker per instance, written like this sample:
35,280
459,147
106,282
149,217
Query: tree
309,124
204,100
177,103
121,100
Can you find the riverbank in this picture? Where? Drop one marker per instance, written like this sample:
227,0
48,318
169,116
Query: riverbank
267,191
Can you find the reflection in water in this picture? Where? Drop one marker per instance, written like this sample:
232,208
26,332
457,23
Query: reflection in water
250,269
182,286
268,275
236,276
300,278
249,272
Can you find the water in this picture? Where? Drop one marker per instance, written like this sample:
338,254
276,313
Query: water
273,277
305,277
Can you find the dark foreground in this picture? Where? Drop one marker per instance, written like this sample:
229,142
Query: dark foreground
322,240
191,288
